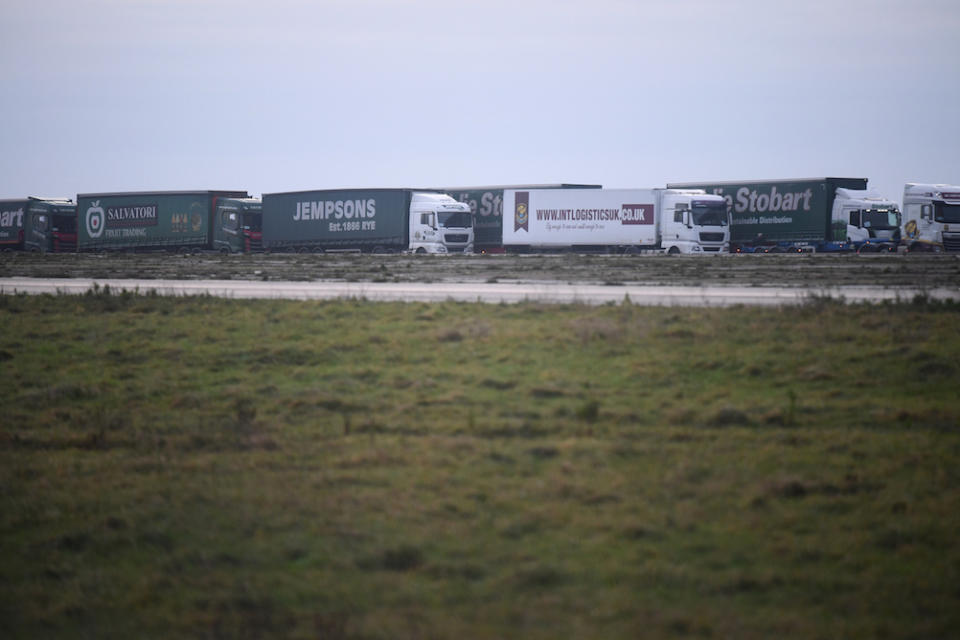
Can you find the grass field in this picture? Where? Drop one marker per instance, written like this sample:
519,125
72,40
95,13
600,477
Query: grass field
209,468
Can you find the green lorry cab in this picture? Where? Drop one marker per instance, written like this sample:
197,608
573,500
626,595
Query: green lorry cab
50,225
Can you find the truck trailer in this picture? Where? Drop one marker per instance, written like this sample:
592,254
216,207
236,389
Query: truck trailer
805,215
11,223
486,204
183,221
615,220
49,225
931,217
366,220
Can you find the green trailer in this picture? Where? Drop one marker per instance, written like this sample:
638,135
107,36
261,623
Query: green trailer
152,220
338,219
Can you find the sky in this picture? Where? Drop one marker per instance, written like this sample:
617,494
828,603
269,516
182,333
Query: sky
285,95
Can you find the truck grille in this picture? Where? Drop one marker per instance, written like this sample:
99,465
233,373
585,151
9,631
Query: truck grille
951,243
456,238
711,237
65,243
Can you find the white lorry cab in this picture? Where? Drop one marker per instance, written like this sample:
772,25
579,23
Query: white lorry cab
693,222
931,217
872,222
440,224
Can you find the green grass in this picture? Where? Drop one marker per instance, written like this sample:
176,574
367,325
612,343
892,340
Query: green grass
259,469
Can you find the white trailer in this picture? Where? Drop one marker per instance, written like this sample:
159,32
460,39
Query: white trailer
615,220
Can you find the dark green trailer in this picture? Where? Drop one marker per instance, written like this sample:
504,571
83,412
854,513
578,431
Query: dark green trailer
50,225
486,203
783,215
151,220
336,219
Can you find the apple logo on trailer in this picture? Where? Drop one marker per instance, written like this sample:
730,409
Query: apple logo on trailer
95,220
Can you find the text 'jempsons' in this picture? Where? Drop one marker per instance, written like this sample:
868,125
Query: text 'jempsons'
326,209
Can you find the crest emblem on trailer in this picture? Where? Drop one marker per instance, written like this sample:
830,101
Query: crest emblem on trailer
95,220
521,211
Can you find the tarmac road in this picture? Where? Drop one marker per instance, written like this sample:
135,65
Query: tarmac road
543,291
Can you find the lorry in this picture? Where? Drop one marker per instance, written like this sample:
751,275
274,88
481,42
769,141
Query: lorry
366,220
49,225
486,204
615,220
239,225
185,221
806,215
931,217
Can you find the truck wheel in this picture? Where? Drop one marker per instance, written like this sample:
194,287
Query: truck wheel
421,251
673,251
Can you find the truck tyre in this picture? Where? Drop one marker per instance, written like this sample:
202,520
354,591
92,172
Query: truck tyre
673,251
420,251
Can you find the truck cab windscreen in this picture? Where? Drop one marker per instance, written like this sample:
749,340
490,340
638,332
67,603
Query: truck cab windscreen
65,223
709,214
881,219
253,221
455,220
947,212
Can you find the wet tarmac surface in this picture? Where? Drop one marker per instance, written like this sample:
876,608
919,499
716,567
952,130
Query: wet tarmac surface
593,279
546,292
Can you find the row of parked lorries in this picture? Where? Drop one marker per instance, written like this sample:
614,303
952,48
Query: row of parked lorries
801,215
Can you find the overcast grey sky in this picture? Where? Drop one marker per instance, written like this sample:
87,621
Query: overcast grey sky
122,95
